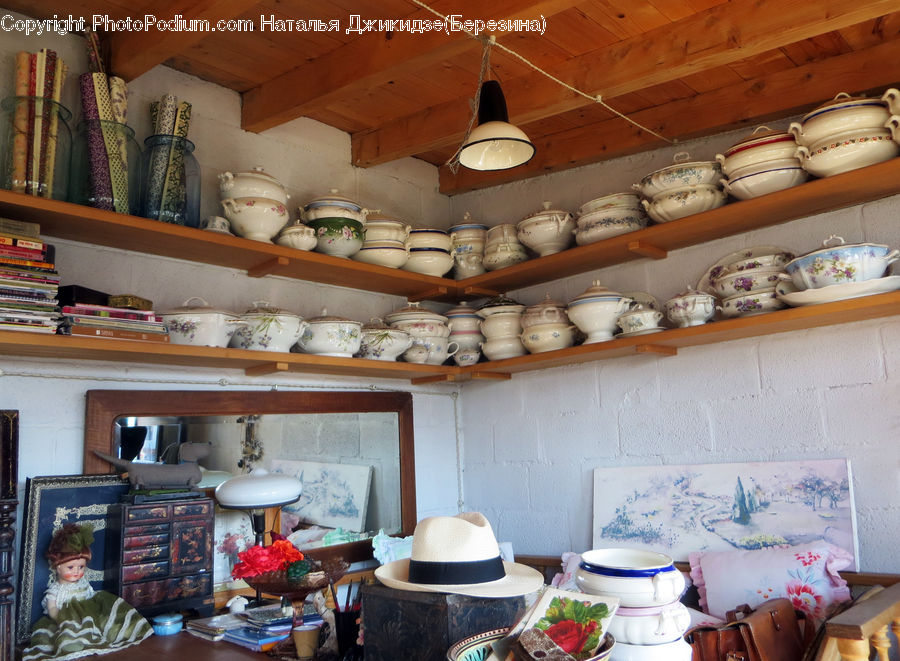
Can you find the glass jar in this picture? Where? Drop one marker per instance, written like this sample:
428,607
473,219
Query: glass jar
35,146
106,167
170,190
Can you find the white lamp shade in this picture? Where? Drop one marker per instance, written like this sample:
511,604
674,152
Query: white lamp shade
496,146
258,489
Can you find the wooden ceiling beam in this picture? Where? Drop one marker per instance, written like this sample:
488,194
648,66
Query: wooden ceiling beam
371,60
747,103
132,53
712,38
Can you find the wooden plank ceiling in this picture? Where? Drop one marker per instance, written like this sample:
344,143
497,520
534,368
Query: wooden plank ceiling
683,68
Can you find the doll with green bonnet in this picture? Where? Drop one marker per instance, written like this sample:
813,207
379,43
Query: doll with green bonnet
80,621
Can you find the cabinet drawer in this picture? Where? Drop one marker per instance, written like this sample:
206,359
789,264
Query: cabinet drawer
184,510
144,571
154,529
150,593
148,554
145,541
147,514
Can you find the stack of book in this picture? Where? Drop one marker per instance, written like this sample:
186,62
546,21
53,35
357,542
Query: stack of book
116,323
257,629
28,279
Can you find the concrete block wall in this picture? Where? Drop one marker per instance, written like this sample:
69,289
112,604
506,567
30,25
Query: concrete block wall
530,444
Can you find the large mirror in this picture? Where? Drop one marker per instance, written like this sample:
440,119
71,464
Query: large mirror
344,428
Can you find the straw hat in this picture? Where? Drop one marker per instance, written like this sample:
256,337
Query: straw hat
459,554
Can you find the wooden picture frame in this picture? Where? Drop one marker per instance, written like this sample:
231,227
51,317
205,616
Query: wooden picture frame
49,503
9,500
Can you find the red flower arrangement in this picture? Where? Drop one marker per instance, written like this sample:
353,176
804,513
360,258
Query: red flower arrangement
262,559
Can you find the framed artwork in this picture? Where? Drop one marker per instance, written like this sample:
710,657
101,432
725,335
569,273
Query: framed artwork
9,481
49,503
233,534
333,495
718,507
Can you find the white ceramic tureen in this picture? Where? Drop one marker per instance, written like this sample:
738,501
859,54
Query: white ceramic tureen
268,328
381,342
682,173
198,323
254,183
547,231
691,308
327,335
333,205
596,311
418,321
845,113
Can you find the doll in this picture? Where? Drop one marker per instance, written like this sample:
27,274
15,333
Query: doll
80,621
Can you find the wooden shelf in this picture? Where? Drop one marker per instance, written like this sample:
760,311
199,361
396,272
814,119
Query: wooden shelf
79,223
258,363
106,228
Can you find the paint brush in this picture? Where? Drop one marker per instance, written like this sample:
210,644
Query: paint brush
334,598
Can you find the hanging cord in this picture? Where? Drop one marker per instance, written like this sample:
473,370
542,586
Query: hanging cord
491,41
486,42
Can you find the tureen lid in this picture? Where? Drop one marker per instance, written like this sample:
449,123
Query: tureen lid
333,200
681,160
691,291
467,224
413,311
546,211
597,290
382,218
545,304
266,308
197,305
461,310
835,241
297,227
377,323
844,100
499,301
762,135
258,172
326,318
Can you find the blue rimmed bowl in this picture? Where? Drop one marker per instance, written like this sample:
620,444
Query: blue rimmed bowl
638,578
839,263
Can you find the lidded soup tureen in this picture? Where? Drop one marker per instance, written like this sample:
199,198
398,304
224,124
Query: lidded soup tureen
845,114
254,183
681,174
268,328
328,335
381,342
333,205
596,311
418,321
196,322
547,311
691,307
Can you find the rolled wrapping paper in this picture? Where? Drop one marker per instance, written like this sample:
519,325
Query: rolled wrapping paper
36,122
20,122
118,173
58,79
98,165
48,112
163,115
174,202
118,96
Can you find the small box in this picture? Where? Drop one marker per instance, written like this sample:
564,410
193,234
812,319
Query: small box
130,301
403,624
78,295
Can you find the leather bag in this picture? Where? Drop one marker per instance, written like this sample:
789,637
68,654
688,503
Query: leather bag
772,632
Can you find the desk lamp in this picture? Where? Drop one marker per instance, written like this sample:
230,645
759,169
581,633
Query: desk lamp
254,492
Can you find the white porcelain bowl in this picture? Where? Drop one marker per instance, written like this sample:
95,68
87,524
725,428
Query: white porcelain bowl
756,302
502,233
772,260
756,150
636,320
547,233
439,349
255,218
298,237
197,323
338,237
386,229
841,115
680,175
764,182
650,626
331,336
777,164
502,324
429,238
548,337
681,202
838,263
391,254
604,224
502,255
597,317
429,261
268,329
848,151
467,339
501,348
610,202
383,343
677,650
254,183
638,578
467,357
690,309
743,282
333,206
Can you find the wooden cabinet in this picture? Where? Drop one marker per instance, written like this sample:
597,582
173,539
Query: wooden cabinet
79,223
163,554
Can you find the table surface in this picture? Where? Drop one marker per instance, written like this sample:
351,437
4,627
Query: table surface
185,646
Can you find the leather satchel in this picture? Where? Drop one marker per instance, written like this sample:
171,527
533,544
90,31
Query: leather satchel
772,632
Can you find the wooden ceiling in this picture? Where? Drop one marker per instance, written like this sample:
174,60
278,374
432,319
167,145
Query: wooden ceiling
683,68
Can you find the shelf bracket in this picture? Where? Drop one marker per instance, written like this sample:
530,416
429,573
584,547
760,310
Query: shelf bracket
496,376
266,368
481,291
437,378
437,292
268,267
660,349
645,249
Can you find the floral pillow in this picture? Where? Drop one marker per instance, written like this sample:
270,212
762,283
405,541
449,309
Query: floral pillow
805,574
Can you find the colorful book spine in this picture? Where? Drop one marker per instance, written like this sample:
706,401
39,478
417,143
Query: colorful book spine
20,122
22,253
21,242
20,228
114,333
14,261
113,313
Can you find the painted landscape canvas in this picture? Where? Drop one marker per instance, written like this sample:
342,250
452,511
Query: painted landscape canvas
718,507
333,495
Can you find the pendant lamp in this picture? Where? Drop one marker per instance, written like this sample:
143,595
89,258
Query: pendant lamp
495,144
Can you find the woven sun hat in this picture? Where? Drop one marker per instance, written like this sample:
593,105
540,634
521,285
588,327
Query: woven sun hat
459,555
